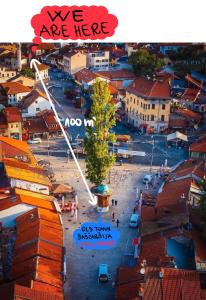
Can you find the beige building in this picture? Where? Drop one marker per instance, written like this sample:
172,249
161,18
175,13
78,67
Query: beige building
147,104
6,74
44,72
74,62
11,123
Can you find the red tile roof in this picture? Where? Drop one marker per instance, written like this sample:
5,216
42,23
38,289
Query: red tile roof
189,114
12,291
178,123
195,81
85,75
155,89
122,74
13,88
174,196
190,94
199,147
184,284
12,114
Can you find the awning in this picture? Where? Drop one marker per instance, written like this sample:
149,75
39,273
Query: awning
177,135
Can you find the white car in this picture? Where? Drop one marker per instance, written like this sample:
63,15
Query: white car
34,141
147,179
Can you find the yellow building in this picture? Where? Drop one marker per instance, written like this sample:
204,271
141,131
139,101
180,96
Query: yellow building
147,104
11,123
74,62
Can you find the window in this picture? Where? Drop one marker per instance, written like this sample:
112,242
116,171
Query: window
163,106
152,117
148,118
162,118
134,100
141,104
148,107
153,106
36,101
17,125
127,101
37,109
11,125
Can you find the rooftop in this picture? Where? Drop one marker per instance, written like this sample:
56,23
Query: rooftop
13,88
122,74
32,97
199,147
149,88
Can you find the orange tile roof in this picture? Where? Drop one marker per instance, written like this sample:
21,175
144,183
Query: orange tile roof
112,89
12,146
27,175
12,88
40,268
149,88
10,291
33,194
46,204
39,230
37,248
23,165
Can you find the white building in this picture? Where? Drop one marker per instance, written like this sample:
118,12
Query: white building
15,92
34,103
98,60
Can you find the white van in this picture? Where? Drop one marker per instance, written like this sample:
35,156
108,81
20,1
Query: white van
134,220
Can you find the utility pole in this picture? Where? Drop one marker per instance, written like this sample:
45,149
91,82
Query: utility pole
152,152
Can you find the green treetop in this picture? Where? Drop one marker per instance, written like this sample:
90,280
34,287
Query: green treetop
144,63
98,158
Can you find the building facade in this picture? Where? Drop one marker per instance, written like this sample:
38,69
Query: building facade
98,60
147,105
74,62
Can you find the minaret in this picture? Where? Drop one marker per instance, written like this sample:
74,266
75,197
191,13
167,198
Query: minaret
19,57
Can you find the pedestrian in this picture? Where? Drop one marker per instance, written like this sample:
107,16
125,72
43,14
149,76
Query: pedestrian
117,223
113,215
112,202
115,202
134,210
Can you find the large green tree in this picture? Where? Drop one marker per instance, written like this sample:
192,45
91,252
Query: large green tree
98,158
145,63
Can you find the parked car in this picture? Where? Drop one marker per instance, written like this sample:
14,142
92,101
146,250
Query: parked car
147,179
34,141
134,220
103,275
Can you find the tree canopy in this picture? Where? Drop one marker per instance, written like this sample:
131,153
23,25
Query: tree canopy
145,63
98,158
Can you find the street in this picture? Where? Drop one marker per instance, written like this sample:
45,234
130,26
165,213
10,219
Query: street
82,265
